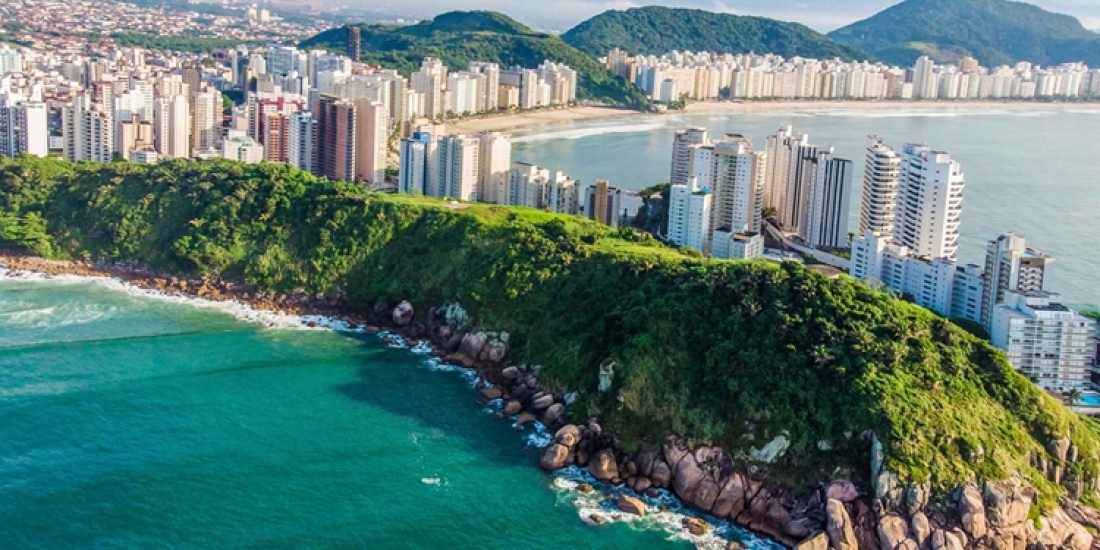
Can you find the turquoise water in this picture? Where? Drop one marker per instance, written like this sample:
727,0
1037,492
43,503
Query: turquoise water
129,422
1032,172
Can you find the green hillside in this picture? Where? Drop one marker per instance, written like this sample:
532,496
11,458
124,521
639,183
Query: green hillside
657,30
995,32
460,37
728,352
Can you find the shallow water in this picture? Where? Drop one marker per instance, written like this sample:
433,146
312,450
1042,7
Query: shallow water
136,421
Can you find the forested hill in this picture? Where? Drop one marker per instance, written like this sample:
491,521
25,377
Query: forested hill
658,30
460,37
733,353
995,32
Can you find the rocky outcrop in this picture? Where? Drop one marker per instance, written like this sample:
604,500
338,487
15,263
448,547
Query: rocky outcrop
1059,531
972,512
602,465
631,505
820,541
838,525
403,314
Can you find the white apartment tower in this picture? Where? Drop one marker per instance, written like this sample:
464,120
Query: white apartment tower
1044,340
1011,265
825,222
206,120
89,131
881,170
301,140
242,149
734,173
24,129
682,146
490,93
689,213
172,122
929,206
458,167
496,165
429,81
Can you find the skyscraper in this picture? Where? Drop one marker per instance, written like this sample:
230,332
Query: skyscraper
1044,340
1011,265
459,167
429,80
206,120
172,121
735,175
335,143
415,165
826,212
300,140
89,131
880,189
603,203
929,207
370,141
681,153
352,42
689,212
23,129
496,164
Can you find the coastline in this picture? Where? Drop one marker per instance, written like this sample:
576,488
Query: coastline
517,121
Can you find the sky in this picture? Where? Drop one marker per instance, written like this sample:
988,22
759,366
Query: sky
822,15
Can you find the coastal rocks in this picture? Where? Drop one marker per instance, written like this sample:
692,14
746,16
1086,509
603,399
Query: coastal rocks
843,490
662,474
1059,531
893,534
490,394
695,526
972,512
541,401
631,505
820,541
945,540
512,408
403,314
838,525
921,529
553,415
731,498
554,457
686,476
602,465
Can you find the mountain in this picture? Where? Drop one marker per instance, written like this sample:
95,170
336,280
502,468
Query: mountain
657,30
460,37
995,32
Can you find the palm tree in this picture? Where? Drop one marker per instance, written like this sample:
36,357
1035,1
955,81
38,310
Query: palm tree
1073,396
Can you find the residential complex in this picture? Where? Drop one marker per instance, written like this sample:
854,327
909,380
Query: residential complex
1046,341
808,188
708,76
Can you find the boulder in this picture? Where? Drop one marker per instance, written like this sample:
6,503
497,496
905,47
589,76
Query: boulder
1059,531
686,476
921,529
642,484
554,457
585,488
403,314
492,393
602,465
839,526
972,512
662,474
944,540
510,373
553,415
843,490
631,505
674,450
472,344
645,462
892,532
582,458
541,401
569,435
695,526
731,499
525,418
819,541
706,493
1007,503
801,528
513,408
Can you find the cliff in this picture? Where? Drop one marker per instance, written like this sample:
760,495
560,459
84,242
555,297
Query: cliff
795,395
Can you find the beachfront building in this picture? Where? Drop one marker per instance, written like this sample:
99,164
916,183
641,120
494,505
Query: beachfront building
603,203
458,167
929,202
881,170
24,128
824,222
1011,265
682,145
689,213
1045,340
414,172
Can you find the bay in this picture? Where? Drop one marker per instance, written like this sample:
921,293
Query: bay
1028,171
132,422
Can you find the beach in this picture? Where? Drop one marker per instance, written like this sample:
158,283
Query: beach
516,121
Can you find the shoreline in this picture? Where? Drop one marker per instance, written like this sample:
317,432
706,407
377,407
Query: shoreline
509,393
518,121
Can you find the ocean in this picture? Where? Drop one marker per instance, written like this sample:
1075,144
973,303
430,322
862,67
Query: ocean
1032,172
135,421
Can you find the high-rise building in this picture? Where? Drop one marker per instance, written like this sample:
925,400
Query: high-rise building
490,97
1011,265
1044,340
925,80
734,173
133,134
206,116
352,42
242,148
496,165
23,128
429,81
335,144
172,121
459,167
603,203
881,171
415,168
825,223
929,208
689,211
300,140
371,141
89,131
781,149
682,146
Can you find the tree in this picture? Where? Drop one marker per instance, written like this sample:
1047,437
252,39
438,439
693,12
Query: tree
1073,396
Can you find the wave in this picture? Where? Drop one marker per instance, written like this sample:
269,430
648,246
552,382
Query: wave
664,512
593,131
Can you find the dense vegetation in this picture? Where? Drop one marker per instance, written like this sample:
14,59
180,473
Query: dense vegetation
995,32
713,349
657,30
460,37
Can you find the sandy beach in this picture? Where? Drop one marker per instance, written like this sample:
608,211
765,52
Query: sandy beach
514,121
